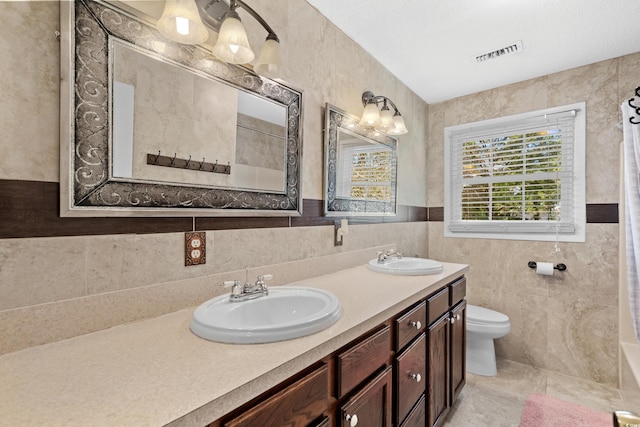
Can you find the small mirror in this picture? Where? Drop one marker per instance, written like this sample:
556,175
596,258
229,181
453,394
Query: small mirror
360,168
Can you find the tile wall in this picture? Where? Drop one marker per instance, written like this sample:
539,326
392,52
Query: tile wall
58,287
569,322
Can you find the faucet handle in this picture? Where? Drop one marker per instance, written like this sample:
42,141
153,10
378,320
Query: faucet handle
236,288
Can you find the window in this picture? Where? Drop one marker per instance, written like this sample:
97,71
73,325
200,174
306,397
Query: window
366,173
518,177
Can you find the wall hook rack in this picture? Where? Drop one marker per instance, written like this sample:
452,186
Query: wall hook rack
177,162
634,120
559,267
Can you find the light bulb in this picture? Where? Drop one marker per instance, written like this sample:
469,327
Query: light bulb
182,25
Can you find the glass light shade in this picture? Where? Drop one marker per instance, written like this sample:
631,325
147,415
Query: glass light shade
400,128
386,119
232,45
180,22
370,115
269,62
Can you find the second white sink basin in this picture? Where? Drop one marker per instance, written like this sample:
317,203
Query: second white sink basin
287,312
406,266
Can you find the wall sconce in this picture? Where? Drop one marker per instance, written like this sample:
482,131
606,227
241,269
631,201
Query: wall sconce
382,119
232,45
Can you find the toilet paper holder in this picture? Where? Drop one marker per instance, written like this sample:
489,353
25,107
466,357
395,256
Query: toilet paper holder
559,267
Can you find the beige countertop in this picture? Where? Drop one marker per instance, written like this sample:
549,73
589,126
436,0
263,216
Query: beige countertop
156,372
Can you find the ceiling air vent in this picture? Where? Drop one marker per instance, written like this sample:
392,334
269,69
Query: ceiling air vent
508,50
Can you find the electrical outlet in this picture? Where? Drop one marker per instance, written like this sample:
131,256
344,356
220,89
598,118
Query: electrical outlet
195,243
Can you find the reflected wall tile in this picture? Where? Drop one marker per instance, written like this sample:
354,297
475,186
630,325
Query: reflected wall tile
36,271
583,340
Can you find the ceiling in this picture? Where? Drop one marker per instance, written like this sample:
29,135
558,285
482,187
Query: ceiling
432,45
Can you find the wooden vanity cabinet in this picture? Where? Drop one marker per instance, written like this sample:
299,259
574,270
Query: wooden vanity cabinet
406,372
447,347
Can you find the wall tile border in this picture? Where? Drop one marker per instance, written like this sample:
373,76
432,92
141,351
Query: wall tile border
31,209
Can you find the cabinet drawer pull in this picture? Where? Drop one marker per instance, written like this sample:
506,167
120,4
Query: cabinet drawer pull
352,420
416,377
417,325
454,318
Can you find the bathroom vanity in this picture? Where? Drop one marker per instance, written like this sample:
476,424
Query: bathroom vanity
395,357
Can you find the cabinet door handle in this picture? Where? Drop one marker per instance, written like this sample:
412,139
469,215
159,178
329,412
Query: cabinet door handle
453,318
416,377
352,420
416,325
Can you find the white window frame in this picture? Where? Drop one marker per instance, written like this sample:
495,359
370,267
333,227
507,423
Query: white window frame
518,230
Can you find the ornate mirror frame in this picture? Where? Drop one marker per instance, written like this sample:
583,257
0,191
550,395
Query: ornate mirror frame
334,206
87,185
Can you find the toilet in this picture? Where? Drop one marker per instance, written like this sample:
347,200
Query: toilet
483,326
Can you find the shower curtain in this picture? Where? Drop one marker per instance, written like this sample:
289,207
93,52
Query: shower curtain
631,136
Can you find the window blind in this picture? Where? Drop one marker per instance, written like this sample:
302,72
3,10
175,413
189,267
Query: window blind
366,173
514,177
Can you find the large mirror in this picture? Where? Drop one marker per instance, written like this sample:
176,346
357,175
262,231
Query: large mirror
360,168
159,128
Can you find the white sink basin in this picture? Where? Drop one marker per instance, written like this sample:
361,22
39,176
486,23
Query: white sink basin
406,266
287,312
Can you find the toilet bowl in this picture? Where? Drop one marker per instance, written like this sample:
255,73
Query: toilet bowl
483,326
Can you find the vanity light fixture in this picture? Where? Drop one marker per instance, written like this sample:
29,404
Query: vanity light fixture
186,21
383,119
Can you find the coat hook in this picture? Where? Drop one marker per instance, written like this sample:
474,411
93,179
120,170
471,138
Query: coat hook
188,161
201,164
173,160
228,167
157,158
215,165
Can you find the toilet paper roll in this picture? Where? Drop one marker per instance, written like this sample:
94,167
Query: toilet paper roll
544,268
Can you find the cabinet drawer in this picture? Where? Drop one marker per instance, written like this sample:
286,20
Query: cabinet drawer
360,361
437,305
418,416
410,376
458,291
410,324
296,406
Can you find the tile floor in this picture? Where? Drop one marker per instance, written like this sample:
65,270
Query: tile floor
498,401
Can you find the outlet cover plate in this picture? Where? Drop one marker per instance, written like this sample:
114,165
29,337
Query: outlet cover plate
195,243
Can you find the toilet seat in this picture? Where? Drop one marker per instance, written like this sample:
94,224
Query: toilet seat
485,316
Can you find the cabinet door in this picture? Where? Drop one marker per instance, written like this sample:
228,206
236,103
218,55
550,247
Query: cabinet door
371,406
458,349
438,365
295,406
410,377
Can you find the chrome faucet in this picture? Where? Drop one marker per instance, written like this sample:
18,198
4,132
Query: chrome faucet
248,291
383,256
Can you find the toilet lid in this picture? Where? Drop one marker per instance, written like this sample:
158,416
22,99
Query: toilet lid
484,315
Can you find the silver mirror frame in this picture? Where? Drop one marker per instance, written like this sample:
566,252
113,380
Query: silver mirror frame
87,187
336,119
